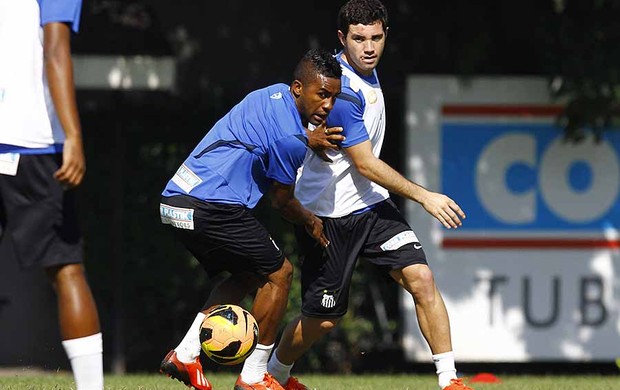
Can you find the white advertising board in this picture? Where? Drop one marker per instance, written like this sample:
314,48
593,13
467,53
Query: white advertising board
534,272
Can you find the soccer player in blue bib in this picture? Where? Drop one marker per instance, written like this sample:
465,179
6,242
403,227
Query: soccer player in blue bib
255,149
351,195
41,163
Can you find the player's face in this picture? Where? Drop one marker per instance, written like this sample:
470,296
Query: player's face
363,46
317,98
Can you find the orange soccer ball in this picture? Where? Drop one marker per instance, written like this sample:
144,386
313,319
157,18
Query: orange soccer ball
228,334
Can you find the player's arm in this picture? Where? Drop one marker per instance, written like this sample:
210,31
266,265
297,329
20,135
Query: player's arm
285,157
59,71
283,200
438,205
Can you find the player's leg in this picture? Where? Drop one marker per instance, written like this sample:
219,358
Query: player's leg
270,302
431,311
298,337
301,333
44,232
393,245
326,278
79,324
77,311
194,226
183,362
228,238
269,307
433,320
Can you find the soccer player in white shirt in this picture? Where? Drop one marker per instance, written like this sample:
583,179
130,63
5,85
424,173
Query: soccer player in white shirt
41,162
351,195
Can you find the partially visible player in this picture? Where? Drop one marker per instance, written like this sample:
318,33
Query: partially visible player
256,148
351,195
41,163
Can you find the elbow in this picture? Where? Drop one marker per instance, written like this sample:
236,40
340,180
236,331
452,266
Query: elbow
277,204
364,170
51,52
53,58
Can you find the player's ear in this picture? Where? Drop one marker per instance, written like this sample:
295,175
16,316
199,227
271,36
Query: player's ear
296,88
341,37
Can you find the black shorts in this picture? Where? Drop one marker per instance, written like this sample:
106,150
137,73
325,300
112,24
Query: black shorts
380,235
38,217
222,237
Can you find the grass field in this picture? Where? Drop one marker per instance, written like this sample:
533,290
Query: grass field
60,381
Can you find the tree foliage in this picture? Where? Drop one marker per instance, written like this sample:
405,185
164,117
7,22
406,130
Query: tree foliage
583,56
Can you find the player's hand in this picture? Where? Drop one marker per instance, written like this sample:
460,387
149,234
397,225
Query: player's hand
73,166
444,209
315,229
323,138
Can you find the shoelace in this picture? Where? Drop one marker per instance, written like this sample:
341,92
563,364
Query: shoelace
458,382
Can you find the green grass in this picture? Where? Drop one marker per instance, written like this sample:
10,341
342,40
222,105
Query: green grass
61,381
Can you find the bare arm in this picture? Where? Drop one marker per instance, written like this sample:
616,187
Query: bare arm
374,169
59,70
282,199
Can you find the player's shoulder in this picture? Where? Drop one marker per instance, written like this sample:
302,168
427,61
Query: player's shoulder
268,98
351,96
276,91
276,106
352,89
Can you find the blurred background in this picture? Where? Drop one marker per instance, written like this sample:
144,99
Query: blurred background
153,76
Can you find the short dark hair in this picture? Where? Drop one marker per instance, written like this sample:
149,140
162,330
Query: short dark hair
362,12
317,61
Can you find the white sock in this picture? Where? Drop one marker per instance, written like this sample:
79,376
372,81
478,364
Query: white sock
86,357
279,370
255,366
189,348
446,370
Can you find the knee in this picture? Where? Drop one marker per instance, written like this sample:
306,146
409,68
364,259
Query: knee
284,275
327,325
287,270
424,276
420,281
66,273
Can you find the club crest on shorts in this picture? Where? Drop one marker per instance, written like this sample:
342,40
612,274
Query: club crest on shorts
328,300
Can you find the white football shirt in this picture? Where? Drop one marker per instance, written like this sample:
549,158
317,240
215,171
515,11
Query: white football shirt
27,115
337,189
